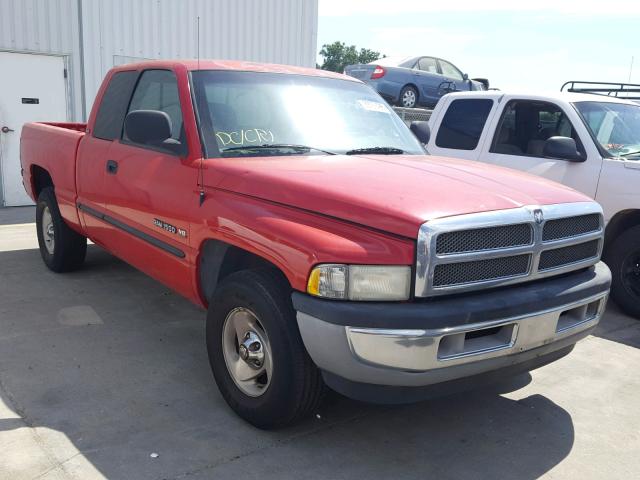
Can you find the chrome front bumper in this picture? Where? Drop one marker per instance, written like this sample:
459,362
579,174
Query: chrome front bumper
419,357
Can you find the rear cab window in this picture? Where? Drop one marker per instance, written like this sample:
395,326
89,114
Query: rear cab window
463,123
113,107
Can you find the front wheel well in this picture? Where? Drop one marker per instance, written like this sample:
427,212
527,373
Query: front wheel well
620,222
218,260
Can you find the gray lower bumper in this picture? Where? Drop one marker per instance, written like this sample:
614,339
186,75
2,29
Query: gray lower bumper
419,357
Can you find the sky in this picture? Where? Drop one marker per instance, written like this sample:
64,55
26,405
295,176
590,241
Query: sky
518,45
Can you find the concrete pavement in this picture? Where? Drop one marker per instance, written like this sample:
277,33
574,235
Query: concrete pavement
101,368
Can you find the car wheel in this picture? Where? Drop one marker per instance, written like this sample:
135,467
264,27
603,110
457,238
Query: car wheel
623,258
61,248
256,353
408,97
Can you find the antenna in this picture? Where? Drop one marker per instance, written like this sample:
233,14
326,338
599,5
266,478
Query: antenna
630,69
201,166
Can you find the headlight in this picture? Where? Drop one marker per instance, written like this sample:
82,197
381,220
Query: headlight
360,282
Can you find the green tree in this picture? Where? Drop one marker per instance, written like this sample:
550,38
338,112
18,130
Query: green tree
338,55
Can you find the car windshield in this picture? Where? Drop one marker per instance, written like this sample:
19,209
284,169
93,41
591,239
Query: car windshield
616,126
265,114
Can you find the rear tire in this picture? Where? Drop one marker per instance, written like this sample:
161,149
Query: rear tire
287,385
408,97
623,258
61,248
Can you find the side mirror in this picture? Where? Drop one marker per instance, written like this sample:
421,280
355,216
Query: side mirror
148,127
421,130
563,148
465,77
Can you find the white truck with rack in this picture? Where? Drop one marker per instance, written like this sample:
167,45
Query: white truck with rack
585,141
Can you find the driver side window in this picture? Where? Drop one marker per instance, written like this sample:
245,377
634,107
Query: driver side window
158,90
450,71
525,126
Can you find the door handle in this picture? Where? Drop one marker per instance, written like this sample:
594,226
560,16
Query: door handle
6,129
112,167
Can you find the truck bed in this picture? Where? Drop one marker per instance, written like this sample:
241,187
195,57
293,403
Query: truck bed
52,146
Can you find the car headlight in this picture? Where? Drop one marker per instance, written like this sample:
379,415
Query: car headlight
360,282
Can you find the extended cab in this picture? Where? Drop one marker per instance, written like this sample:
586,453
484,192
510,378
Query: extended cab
588,142
329,250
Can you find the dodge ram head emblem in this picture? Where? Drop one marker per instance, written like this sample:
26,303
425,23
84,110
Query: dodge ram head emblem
538,216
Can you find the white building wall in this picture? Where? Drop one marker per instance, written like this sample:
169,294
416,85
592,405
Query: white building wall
119,31
45,26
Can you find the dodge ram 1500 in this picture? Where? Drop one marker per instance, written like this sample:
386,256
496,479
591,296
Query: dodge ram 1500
329,250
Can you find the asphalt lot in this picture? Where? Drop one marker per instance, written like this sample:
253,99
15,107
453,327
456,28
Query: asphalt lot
101,368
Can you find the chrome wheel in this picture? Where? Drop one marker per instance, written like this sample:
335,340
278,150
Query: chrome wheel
408,98
247,352
48,232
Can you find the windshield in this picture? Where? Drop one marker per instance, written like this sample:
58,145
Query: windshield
263,114
616,126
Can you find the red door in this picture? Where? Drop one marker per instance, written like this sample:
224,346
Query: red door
149,190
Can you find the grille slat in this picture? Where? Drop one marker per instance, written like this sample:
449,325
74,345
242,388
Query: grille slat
488,238
559,257
570,227
481,270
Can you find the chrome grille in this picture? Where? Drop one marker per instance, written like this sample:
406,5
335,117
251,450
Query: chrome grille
480,270
558,257
570,227
469,252
484,239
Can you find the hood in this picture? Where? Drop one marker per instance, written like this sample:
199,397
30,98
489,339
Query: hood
395,194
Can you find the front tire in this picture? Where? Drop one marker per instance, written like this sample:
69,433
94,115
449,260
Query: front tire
623,258
61,248
256,353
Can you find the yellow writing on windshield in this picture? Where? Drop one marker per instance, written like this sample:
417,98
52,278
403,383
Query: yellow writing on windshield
244,137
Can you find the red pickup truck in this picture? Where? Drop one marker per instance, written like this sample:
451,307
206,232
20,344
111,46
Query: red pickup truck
328,248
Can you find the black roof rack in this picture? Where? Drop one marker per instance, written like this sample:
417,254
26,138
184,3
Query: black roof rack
626,91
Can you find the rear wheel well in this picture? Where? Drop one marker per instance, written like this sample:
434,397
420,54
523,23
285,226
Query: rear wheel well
218,260
412,85
40,179
620,222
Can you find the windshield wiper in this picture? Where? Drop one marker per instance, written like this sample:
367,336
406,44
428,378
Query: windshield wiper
376,150
628,154
277,146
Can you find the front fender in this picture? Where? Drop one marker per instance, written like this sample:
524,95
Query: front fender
291,239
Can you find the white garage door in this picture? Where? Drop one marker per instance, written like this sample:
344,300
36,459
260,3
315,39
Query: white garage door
32,88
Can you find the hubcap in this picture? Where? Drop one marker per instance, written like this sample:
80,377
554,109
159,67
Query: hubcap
48,233
409,98
247,352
